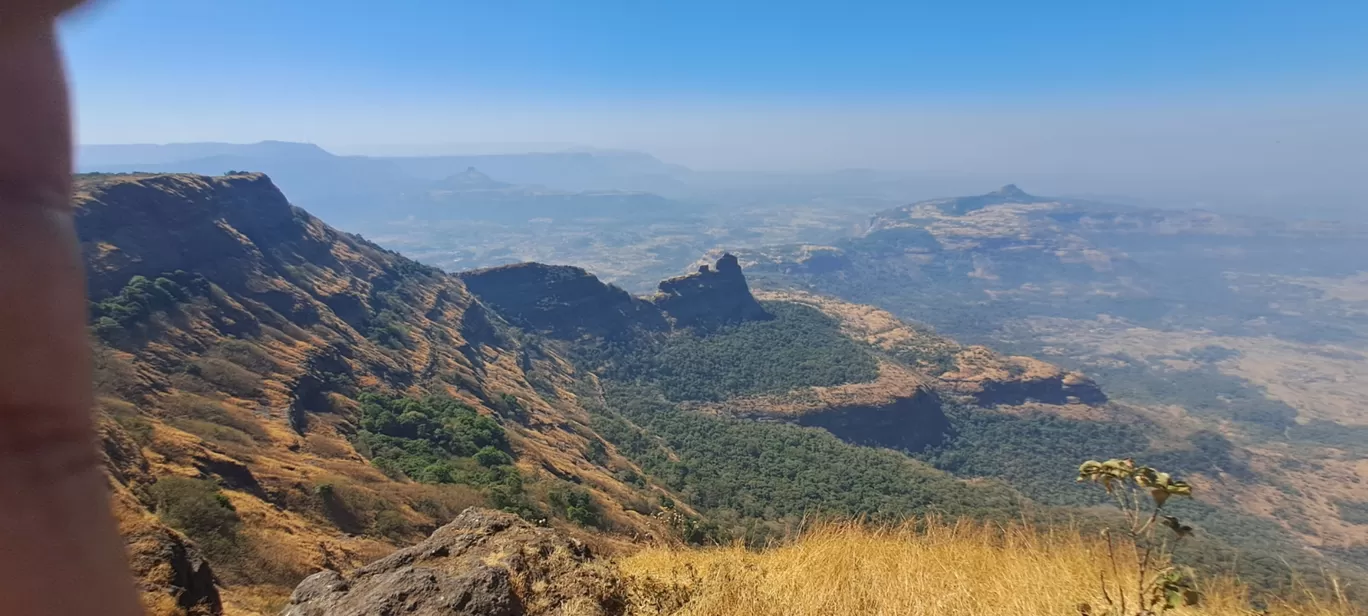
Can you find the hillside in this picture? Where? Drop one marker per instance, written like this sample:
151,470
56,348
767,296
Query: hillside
1243,328
257,371
278,398
240,341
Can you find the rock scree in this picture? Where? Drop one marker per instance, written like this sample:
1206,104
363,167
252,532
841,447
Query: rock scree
486,563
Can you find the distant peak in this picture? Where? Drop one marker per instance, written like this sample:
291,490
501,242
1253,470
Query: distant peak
960,206
1011,191
471,178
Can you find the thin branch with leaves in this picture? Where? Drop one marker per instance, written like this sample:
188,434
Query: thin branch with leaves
1141,492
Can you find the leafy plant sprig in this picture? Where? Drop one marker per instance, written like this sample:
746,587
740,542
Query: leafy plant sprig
1141,492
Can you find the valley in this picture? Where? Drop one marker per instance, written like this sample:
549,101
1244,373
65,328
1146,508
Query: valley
1249,328
278,397
674,309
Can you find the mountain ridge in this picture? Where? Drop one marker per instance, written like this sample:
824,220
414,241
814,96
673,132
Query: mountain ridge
251,379
327,400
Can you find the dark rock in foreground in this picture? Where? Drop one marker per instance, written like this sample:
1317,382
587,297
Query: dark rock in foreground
484,562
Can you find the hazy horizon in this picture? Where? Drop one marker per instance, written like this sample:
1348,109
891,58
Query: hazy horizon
1222,103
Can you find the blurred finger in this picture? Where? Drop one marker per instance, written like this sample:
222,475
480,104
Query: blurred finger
55,524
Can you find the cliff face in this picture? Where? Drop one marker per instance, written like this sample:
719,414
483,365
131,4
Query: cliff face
994,380
975,373
560,300
568,302
710,296
234,334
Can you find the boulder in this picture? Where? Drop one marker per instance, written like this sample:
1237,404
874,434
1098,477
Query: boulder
484,562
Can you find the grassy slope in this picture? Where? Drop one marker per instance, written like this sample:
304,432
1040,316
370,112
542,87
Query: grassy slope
210,380
946,569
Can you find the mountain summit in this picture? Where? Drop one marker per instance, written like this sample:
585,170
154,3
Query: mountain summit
1007,194
1011,192
471,179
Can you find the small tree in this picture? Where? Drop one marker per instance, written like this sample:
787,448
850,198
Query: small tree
1140,492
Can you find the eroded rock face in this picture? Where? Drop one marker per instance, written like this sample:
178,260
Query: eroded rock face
172,575
993,380
561,300
710,296
171,569
568,302
484,562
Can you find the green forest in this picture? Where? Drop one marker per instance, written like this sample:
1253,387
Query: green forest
755,478
800,347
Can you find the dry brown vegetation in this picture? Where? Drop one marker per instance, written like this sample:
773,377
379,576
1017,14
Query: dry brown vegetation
926,567
203,389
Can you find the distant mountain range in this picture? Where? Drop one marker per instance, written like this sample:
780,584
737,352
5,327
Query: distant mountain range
353,190
473,195
359,190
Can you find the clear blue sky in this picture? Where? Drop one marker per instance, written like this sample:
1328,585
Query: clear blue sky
303,53
699,80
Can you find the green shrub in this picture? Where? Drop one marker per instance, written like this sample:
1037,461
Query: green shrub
118,316
576,505
353,508
197,508
439,440
388,330
596,452
488,456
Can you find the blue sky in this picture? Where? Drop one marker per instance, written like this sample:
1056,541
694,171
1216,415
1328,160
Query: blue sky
588,51
1010,86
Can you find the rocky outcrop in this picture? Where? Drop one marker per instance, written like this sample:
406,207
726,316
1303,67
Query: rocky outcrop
485,563
170,571
561,300
975,373
568,302
710,296
993,380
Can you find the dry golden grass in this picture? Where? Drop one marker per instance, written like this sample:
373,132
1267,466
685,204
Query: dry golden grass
942,569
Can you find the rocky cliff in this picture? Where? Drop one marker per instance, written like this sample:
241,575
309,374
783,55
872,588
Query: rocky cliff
993,380
567,302
973,373
710,296
561,300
